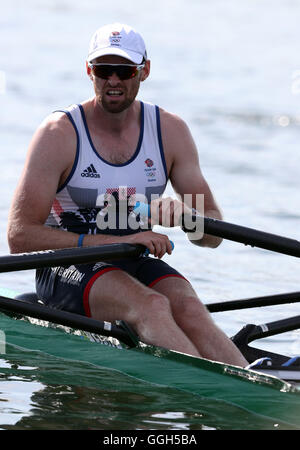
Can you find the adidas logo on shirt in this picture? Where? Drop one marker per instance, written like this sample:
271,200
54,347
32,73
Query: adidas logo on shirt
90,172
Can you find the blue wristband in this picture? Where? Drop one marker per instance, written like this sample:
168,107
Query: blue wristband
80,240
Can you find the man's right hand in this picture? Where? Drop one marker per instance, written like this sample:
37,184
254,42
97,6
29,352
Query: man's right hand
158,244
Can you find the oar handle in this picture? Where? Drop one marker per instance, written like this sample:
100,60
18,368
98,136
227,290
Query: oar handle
144,209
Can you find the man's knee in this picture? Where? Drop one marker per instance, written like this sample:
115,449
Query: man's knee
153,307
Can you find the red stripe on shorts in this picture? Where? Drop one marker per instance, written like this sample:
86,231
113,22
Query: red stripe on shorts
166,276
88,287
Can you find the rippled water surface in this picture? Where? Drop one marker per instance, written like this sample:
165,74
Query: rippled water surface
232,71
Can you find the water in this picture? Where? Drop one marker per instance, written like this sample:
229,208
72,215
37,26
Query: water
231,70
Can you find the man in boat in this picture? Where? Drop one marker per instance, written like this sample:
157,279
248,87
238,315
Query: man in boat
104,151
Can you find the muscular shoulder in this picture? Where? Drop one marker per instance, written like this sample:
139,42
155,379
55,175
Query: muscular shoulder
56,128
176,136
54,140
172,123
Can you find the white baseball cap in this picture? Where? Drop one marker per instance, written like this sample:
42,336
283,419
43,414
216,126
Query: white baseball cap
117,39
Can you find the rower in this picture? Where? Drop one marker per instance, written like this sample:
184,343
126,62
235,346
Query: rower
86,168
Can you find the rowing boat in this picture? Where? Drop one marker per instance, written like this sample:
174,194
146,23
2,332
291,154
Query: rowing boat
270,391
257,392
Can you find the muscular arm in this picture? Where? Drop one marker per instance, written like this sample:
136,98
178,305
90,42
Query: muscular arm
45,164
185,172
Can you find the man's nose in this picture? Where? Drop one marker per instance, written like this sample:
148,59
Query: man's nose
113,79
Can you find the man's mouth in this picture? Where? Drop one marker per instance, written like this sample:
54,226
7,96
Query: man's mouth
114,92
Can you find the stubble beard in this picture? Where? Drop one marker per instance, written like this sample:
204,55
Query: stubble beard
116,107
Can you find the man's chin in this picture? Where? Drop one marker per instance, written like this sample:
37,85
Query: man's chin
117,107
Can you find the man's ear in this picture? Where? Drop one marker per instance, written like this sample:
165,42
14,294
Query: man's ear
88,70
146,70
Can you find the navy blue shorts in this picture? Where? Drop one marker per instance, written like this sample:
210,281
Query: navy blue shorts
68,287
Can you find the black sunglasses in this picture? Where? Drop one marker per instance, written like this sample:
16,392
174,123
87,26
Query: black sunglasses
123,71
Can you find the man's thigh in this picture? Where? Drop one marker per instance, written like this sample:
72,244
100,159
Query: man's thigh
117,295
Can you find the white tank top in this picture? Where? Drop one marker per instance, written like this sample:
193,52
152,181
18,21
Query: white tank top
94,182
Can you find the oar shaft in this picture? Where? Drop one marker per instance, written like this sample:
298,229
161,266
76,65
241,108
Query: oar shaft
237,233
51,258
281,326
249,236
65,318
255,302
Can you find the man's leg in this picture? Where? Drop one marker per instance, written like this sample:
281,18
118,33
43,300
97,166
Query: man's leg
196,322
115,295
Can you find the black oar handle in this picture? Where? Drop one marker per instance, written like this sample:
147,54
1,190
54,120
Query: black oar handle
248,236
51,258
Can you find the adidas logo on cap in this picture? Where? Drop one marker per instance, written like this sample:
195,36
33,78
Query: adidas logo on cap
90,172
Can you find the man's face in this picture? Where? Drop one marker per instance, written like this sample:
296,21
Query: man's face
113,94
